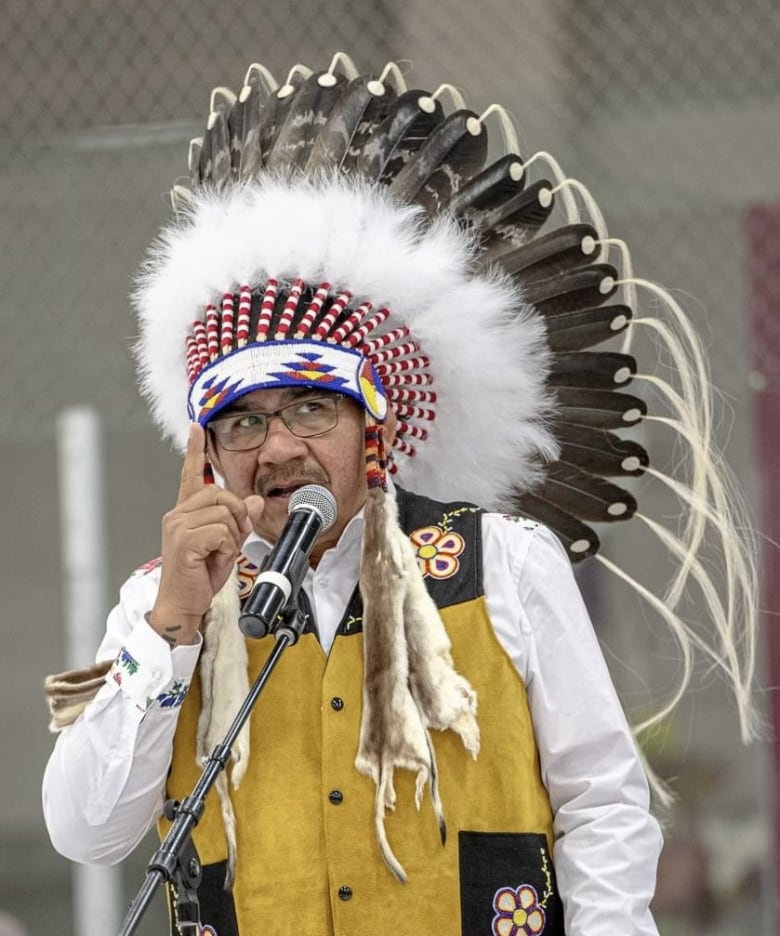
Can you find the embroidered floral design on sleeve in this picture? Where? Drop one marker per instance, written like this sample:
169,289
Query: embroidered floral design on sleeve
175,696
126,671
524,522
125,661
518,912
149,566
437,551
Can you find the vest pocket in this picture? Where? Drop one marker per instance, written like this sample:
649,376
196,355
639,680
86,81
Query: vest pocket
507,885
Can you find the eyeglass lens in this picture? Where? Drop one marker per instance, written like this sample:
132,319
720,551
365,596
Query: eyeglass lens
304,418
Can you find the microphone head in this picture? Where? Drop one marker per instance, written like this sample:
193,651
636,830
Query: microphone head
318,498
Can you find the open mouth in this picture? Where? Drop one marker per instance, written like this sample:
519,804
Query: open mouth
283,490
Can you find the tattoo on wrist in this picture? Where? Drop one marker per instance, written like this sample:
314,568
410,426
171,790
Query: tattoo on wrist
168,632
171,641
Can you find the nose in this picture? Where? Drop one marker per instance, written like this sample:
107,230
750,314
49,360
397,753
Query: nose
280,444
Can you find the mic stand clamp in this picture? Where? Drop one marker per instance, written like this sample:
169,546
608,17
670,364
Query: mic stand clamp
176,860
292,621
185,880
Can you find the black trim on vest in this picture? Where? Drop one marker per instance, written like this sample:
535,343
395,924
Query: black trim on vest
507,873
464,519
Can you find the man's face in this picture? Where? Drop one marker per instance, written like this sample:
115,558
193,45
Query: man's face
284,462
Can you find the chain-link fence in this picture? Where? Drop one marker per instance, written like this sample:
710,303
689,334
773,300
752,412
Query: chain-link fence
669,112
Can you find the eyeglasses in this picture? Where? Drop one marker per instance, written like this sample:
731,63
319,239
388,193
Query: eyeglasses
304,418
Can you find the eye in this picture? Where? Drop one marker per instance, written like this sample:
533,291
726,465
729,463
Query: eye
309,407
248,421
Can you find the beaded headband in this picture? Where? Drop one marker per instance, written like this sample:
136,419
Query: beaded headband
319,342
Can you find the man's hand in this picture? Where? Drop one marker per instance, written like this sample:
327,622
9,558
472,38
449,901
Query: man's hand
201,539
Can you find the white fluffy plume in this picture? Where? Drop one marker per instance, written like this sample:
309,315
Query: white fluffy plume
486,346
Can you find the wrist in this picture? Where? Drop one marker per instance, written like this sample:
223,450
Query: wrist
174,627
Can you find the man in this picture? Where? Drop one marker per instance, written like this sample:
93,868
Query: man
443,748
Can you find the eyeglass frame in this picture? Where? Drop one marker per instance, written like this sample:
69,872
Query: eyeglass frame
336,397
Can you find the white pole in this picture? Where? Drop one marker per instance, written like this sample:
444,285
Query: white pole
96,890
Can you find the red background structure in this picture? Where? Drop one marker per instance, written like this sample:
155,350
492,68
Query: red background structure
763,236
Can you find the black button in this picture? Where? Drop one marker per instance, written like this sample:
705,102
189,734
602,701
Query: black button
345,893
336,797
336,704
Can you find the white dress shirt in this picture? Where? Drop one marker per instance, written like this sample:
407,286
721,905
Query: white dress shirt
104,784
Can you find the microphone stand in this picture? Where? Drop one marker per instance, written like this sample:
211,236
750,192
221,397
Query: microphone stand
176,860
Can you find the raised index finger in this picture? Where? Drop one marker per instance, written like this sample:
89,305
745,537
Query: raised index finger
194,462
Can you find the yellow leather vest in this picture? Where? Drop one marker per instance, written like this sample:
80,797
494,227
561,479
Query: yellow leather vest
308,861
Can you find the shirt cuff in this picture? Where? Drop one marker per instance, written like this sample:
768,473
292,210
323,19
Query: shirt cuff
151,675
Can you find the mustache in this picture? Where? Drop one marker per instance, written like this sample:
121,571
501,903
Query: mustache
298,474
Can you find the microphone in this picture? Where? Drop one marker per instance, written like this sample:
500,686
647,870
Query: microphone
312,510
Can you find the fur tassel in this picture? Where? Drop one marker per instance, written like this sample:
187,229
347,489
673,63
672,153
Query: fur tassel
224,679
443,696
68,693
391,732
224,686
409,683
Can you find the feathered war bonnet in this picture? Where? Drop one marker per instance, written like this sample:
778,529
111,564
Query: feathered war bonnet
343,231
